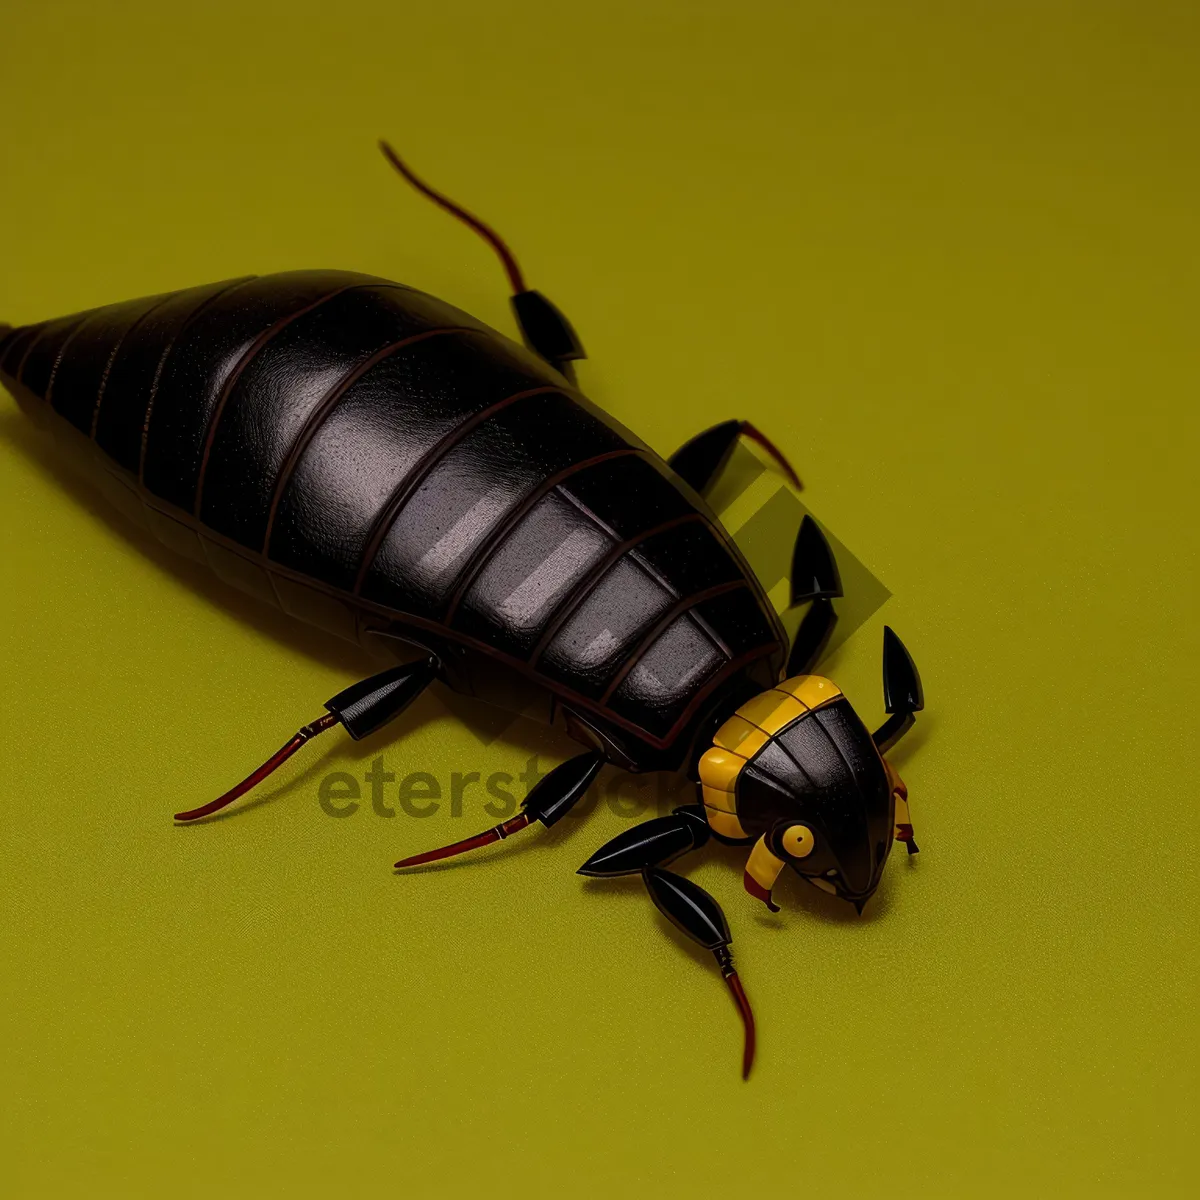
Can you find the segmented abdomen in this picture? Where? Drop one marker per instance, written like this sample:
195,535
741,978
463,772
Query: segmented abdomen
340,429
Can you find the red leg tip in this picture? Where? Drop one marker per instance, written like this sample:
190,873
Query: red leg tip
759,892
256,777
520,821
743,1003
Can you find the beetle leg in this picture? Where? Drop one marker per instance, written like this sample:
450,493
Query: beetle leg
902,697
362,708
904,829
695,913
644,850
653,843
902,692
547,332
544,329
699,461
815,578
551,799
762,870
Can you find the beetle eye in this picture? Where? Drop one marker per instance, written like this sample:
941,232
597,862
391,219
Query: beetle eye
798,841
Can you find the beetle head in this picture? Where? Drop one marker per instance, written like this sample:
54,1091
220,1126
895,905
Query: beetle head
820,796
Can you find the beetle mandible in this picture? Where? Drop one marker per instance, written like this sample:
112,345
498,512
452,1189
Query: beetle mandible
382,465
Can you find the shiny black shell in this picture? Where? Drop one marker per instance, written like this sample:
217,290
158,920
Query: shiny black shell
381,464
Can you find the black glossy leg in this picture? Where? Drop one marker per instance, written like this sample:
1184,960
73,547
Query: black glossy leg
902,697
550,801
902,692
644,850
361,709
892,730
367,706
815,579
653,843
547,332
699,461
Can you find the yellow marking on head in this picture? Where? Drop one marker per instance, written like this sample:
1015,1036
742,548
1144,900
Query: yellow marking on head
786,702
724,823
744,734
763,867
719,768
740,736
798,841
715,798
787,709
811,690
758,709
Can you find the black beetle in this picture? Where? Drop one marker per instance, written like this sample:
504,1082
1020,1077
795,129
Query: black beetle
382,465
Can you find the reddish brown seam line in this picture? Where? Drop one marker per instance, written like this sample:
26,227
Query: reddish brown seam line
20,375
328,402
713,635
62,350
484,554
254,350
251,353
13,341
112,358
722,535
653,571
569,605
33,341
672,614
408,485
162,362
412,619
764,601
735,665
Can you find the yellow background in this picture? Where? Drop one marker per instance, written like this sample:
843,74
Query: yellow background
947,255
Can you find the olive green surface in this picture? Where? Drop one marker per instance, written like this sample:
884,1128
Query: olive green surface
946,255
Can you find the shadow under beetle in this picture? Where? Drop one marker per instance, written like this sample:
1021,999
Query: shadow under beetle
384,466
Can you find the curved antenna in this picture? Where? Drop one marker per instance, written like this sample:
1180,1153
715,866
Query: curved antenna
485,231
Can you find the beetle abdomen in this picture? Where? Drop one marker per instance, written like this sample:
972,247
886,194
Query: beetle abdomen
341,430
